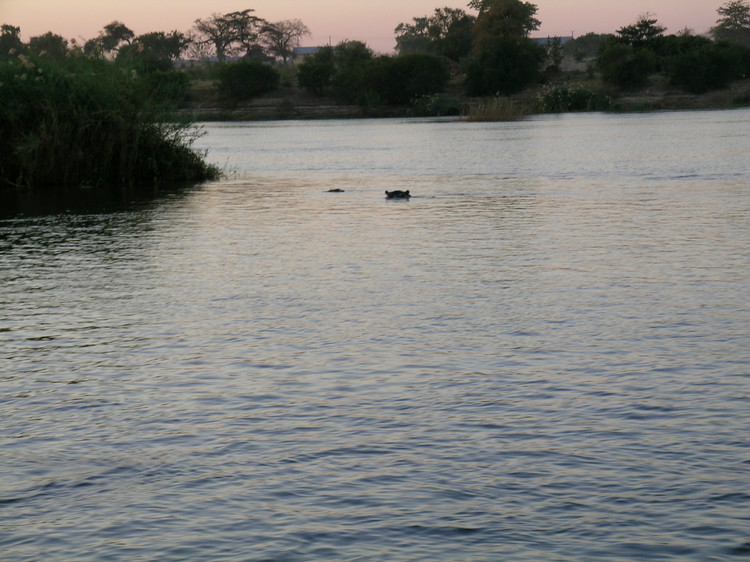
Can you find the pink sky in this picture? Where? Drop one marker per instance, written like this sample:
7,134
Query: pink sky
370,21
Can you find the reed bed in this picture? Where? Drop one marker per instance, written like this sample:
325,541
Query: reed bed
89,122
496,109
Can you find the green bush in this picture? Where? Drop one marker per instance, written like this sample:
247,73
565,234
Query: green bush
86,122
315,74
626,67
403,79
506,67
170,87
709,66
244,80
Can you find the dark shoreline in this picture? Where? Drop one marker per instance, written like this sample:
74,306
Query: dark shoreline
291,104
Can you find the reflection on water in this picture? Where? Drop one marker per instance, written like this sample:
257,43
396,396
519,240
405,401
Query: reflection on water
541,355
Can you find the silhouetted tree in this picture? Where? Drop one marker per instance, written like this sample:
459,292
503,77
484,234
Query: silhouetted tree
734,24
447,32
110,39
281,37
232,33
503,18
643,32
504,59
154,51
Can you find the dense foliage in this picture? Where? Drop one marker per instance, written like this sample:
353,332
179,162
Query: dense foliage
506,66
352,73
447,32
246,79
88,122
693,63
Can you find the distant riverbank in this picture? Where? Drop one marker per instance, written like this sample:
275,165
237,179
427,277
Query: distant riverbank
293,103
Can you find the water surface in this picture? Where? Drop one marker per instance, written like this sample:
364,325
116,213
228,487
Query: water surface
540,356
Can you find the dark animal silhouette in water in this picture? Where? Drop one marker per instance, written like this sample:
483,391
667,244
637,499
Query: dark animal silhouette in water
397,194
337,190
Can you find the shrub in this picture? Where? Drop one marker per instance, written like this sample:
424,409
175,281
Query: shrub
709,66
399,80
315,74
571,97
170,87
434,106
508,66
86,122
243,80
626,67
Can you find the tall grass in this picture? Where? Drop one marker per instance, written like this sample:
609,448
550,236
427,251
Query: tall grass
88,122
496,109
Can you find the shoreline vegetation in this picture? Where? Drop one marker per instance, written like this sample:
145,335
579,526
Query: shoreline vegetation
295,104
88,123
119,110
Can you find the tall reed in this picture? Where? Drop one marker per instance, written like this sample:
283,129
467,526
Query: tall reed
88,122
496,109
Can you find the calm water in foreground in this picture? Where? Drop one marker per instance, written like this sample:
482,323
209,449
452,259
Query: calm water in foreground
541,356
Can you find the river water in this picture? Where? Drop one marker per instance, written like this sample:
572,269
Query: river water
542,355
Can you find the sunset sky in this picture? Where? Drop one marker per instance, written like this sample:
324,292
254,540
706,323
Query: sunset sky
370,21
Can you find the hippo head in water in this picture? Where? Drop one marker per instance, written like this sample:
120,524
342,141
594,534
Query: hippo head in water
397,194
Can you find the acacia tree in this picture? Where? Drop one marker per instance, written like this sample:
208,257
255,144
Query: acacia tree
734,23
645,30
154,51
110,39
281,37
235,32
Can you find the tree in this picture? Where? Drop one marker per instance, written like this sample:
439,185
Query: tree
350,58
10,41
110,39
448,32
586,46
232,33
250,30
504,59
503,18
315,74
50,45
643,32
281,37
154,51
734,24
554,52
505,67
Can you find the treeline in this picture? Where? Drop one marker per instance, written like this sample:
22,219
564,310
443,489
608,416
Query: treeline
489,52
495,50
